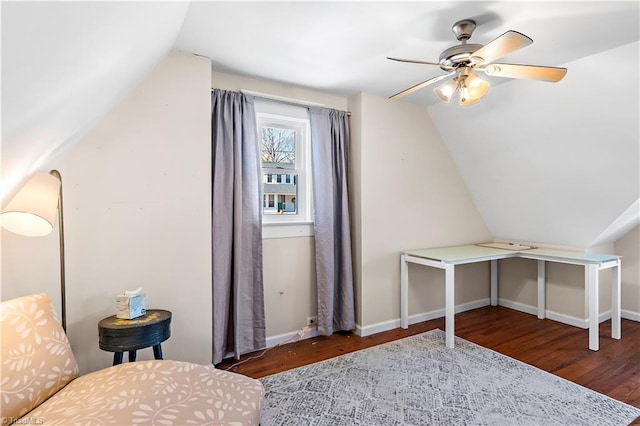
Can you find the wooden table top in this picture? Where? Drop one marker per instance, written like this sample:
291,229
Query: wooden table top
153,316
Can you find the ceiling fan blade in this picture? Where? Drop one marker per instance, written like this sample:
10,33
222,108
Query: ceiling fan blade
501,46
413,61
421,85
534,72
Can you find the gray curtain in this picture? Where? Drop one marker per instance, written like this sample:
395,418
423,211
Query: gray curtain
334,272
238,299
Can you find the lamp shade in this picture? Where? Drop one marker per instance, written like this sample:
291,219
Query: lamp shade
445,91
473,89
32,211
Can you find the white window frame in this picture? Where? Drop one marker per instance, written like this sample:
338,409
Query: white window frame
301,223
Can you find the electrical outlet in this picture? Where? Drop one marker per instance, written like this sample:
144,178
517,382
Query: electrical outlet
312,320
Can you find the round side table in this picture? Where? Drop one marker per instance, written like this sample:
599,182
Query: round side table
120,335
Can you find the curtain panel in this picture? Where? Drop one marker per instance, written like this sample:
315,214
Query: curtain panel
334,270
238,298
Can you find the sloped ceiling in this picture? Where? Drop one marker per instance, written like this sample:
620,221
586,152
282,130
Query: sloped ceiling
65,64
552,163
555,163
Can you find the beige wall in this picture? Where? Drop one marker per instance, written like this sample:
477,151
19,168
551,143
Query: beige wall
289,263
355,199
436,194
137,214
565,295
408,195
518,278
629,248
289,283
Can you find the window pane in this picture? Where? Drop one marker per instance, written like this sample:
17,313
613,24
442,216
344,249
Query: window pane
278,147
284,193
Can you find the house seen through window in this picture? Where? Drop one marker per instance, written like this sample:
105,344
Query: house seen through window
286,165
280,180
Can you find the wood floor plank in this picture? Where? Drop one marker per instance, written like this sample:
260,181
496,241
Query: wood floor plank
560,349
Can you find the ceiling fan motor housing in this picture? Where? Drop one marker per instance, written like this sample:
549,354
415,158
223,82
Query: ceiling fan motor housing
457,56
460,55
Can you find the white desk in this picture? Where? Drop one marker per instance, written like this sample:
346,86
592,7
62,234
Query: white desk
448,257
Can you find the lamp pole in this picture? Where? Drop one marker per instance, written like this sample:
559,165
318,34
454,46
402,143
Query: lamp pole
63,294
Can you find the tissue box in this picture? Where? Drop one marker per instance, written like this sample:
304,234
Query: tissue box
129,306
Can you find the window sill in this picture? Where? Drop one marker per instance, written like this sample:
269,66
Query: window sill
287,230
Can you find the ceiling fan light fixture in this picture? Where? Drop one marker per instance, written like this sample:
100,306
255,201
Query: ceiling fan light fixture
466,101
473,88
477,87
465,59
445,91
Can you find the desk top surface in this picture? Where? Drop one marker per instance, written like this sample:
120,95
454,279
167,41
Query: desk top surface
477,253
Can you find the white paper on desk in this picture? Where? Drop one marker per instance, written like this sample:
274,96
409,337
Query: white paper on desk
507,246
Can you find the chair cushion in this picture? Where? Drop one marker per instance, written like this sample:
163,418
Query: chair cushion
156,392
37,360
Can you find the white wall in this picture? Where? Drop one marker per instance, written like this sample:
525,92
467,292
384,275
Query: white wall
408,195
137,213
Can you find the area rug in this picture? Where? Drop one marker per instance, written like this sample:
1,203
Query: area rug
418,381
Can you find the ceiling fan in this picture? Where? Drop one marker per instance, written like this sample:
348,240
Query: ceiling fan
463,61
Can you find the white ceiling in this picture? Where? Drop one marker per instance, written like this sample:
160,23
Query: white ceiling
342,47
533,154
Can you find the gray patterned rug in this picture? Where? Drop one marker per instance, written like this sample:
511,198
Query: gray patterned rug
418,381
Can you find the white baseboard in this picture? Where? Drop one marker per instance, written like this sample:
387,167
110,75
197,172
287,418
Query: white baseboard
416,318
289,337
568,319
555,316
630,315
565,319
533,310
439,313
377,328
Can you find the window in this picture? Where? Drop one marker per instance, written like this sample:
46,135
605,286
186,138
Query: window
286,172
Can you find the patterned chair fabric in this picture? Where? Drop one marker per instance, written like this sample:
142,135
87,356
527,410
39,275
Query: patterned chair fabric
37,360
145,392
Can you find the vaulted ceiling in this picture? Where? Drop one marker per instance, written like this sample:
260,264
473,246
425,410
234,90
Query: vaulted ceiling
562,158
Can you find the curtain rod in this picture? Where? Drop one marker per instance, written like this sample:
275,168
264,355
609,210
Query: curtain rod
283,99
280,98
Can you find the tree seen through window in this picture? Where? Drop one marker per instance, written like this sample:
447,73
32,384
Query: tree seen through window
278,146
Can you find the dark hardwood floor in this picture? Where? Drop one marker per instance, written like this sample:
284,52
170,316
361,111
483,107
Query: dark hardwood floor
560,349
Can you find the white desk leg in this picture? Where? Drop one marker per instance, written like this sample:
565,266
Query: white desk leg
542,290
615,301
449,304
591,281
494,282
404,292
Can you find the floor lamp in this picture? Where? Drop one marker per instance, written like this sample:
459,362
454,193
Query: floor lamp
32,212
